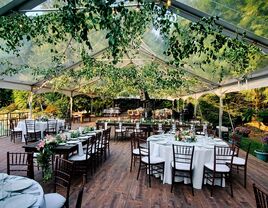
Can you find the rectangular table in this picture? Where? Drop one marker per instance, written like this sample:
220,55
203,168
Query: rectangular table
64,150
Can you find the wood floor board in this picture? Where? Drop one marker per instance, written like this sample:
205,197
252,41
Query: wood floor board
113,185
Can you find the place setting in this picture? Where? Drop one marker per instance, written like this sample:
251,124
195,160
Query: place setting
17,191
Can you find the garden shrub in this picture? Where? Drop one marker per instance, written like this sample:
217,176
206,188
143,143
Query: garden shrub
211,114
263,116
254,145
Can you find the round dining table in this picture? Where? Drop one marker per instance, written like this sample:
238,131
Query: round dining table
161,146
20,192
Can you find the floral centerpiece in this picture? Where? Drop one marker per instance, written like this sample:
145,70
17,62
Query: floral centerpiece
185,135
45,148
263,152
43,118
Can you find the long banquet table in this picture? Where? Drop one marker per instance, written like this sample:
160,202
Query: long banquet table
74,144
40,125
21,192
161,145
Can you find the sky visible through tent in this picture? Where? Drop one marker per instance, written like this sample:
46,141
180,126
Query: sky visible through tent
4,2
251,15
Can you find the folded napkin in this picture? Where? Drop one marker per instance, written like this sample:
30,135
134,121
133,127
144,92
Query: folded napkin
80,149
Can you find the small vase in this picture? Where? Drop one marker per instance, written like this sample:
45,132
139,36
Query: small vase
261,155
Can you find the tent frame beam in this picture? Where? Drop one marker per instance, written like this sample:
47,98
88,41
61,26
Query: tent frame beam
229,29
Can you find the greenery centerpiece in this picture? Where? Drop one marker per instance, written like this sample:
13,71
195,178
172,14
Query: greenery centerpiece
88,129
262,153
46,150
75,134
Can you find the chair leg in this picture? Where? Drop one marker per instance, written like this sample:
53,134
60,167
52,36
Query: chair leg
131,162
191,178
173,180
149,176
245,176
12,137
203,180
212,185
231,184
108,146
139,171
221,179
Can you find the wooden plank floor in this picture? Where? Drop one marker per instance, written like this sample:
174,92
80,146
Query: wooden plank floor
114,186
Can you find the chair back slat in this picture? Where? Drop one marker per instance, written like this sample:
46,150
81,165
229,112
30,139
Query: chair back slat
20,162
144,147
51,126
261,197
98,139
183,154
62,176
223,155
30,125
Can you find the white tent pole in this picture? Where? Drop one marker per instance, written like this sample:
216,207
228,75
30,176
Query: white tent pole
31,104
195,106
71,106
220,115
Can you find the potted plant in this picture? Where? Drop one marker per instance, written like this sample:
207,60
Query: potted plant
262,154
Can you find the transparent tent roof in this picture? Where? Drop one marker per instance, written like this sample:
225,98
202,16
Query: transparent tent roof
5,2
249,15
151,51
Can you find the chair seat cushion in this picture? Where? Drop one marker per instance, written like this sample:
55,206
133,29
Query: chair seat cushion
120,130
153,160
219,167
181,166
77,157
137,152
35,154
239,161
54,200
17,129
32,131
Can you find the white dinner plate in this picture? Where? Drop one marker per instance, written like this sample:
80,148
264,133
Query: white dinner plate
91,134
83,137
17,185
3,194
162,142
3,176
72,142
21,201
62,144
155,139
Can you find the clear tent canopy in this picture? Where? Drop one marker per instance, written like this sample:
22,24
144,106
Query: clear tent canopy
36,61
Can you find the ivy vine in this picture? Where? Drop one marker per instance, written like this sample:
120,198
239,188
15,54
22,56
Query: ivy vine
196,44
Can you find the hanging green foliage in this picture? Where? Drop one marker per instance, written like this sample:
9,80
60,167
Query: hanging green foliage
196,45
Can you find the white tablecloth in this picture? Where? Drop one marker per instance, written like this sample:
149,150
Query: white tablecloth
111,111
161,145
35,189
40,125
